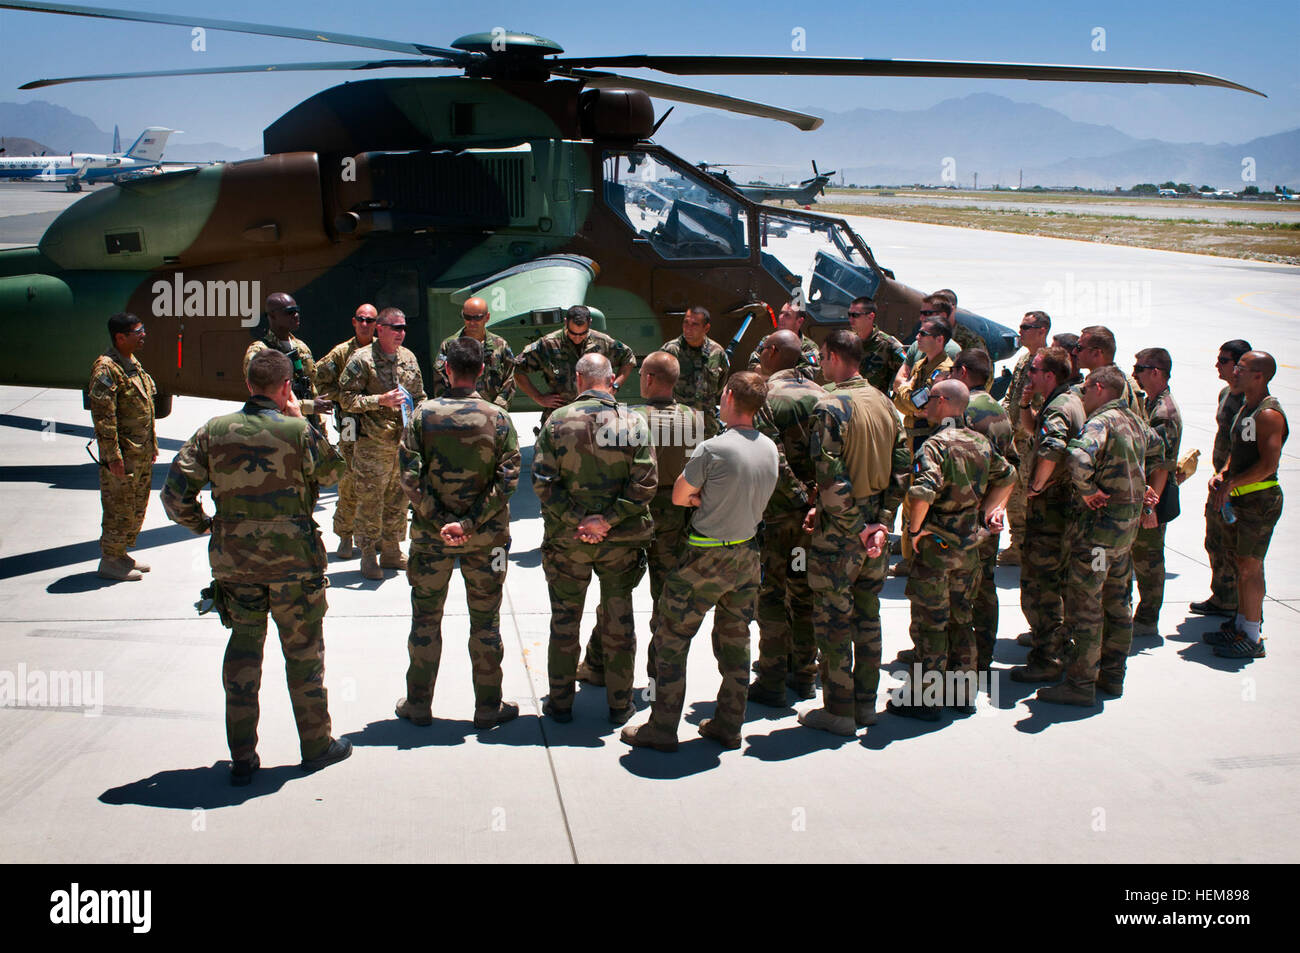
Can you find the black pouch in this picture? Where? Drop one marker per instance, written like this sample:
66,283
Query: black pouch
1168,507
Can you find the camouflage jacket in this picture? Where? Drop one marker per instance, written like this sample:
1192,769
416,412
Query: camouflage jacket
809,362
121,408
786,417
265,470
846,417
1056,425
1109,454
304,380
882,356
555,357
1134,397
459,463
590,460
674,430
984,415
954,469
330,367
704,371
1016,390
368,375
1166,420
497,382
1229,404
925,373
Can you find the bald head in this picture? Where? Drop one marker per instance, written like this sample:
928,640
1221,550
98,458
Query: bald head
281,314
1258,362
954,393
783,352
659,373
594,373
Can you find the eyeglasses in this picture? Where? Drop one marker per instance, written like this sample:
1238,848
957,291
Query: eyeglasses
1138,368
473,317
394,327
137,331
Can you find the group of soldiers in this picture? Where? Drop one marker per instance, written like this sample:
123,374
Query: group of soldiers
769,493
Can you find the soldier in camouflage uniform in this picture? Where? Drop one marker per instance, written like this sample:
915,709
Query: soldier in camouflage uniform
793,317
497,383
703,367
555,356
1152,372
372,388
729,478
459,466
861,460
1107,470
594,477
1034,328
938,305
266,465
882,354
955,475
985,416
1219,536
282,319
328,371
121,408
1096,349
1051,514
785,602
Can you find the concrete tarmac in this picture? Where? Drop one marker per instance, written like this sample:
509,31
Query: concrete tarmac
1197,763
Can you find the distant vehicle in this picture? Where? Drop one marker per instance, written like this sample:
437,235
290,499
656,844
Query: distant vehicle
805,193
73,169
1169,193
1286,195
1226,193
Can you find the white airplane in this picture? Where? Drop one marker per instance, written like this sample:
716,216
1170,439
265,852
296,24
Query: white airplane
145,154
1286,195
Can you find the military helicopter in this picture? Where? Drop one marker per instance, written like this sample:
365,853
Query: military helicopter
531,180
805,193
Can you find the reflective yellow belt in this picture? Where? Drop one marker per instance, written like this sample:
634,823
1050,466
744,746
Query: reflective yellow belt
1252,487
708,541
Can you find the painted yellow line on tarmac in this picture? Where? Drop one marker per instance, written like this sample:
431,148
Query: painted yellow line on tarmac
1241,300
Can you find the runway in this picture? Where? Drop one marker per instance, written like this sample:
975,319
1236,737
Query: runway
1198,762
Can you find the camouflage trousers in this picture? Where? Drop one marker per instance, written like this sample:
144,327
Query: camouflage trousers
1148,556
662,555
724,579
1050,529
984,602
429,572
345,509
939,587
1221,546
846,618
1098,601
123,502
298,609
785,604
381,504
1017,506
568,567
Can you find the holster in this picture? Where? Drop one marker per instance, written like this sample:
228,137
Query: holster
214,597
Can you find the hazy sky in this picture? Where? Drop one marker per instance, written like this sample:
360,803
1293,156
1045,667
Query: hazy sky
1253,44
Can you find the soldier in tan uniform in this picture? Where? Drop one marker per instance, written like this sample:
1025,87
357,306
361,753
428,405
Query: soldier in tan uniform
121,407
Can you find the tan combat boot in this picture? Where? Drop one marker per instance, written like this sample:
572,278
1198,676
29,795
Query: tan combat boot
391,556
370,561
1068,694
823,720
117,568
345,550
137,565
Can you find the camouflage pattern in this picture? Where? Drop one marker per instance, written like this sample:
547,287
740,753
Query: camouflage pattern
1023,440
809,365
556,357
1148,553
1109,455
497,382
950,348
925,372
704,371
308,377
785,602
882,356
460,463
965,338
724,579
266,554
847,584
1220,538
588,460
328,371
121,409
985,416
1134,397
381,507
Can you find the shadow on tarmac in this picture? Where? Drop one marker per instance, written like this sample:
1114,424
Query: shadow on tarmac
58,427
1043,715
24,564
691,757
184,789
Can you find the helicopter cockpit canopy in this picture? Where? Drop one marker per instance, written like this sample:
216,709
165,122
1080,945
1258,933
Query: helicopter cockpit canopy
818,258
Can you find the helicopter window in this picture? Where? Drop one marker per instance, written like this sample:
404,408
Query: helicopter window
679,215
117,243
816,257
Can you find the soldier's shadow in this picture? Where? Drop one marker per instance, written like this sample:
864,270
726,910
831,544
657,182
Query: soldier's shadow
184,789
1043,715
401,734
691,757
1195,650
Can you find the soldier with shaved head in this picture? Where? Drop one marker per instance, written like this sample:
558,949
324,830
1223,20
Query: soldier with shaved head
497,382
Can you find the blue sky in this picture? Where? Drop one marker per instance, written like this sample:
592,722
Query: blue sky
1252,44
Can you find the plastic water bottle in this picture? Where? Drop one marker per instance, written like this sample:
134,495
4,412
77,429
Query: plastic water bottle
1228,515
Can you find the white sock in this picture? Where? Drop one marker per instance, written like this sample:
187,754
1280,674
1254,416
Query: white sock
1240,622
1252,629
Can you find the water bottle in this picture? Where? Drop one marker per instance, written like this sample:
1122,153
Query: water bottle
1229,516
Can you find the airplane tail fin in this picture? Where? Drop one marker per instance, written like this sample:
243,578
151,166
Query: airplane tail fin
117,140
150,145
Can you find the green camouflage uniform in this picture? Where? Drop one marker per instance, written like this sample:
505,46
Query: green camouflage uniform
459,462
1024,442
308,375
121,408
809,365
556,358
953,471
704,371
381,507
1108,455
589,460
1051,520
266,555
1134,397
496,384
1148,552
328,371
855,431
785,601
882,356
985,416
1220,538
925,373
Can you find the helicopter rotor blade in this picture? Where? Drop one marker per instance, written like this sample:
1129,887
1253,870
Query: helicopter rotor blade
235,26
262,68
852,66
696,97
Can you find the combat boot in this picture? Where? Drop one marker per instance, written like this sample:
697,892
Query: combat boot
1037,672
136,564
555,712
648,736
592,676
1145,630
766,696
241,772
1067,693
340,749
391,557
415,714
823,720
802,688
623,716
369,561
1026,639
1110,684
345,550
490,718
709,728
118,569
919,712
864,713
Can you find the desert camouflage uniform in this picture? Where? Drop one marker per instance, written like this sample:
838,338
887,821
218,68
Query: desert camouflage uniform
459,463
556,357
854,430
1148,552
587,461
306,376
1023,443
381,507
1051,520
984,415
785,601
1109,455
809,365
882,356
1220,538
704,371
496,384
328,371
121,408
266,555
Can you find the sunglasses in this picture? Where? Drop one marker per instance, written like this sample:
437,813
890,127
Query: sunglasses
1032,327
929,334
362,320
394,327
293,310
930,314
860,314
1137,368
137,331
1225,360
473,317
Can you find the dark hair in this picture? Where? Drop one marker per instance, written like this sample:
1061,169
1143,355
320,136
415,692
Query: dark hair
124,321
948,295
1109,377
268,369
944,327
1157,357
977,364
938,303
748,390
1101,338
1056,362
1236,347
464,357
846,345
1066,340
1041,319
865,300
580,313
701,311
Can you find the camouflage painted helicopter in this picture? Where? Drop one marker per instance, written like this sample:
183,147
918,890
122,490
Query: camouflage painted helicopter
805,193
531,180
